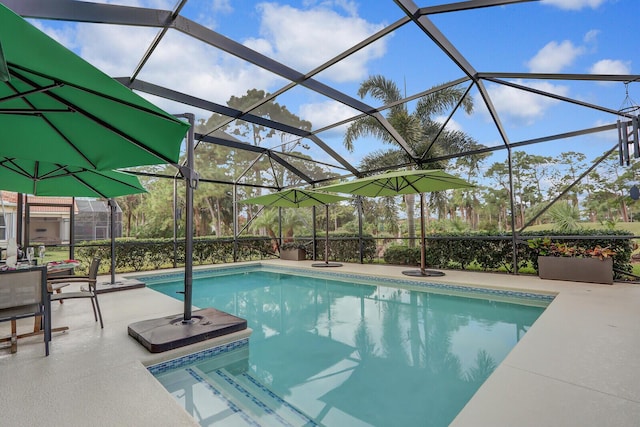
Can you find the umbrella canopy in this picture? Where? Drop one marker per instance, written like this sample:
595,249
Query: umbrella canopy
400,182
404,182
4,71
297,198
55,105
50,179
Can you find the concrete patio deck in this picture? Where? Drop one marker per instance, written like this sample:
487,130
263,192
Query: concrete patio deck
578,365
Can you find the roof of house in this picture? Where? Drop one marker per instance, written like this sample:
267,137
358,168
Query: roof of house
12,198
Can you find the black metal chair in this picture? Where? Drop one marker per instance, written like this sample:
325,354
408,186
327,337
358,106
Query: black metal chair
85,292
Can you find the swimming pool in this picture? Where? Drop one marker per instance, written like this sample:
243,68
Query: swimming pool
339,349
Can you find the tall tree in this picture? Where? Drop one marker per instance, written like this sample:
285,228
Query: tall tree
236,162
417,128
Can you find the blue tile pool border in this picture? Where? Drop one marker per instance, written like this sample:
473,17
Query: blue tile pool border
199,356
210,272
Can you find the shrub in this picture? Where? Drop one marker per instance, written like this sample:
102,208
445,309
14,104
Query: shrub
402,255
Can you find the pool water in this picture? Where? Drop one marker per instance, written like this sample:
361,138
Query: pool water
351,354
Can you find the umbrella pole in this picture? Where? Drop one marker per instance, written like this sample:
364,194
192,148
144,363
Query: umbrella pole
192,182
112,208
422,248
423,271
326,262
326,245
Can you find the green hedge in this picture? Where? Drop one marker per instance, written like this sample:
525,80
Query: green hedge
493,252
489,252
402,255
154,254
343,247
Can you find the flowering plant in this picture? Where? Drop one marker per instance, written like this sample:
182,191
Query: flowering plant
292,245
546,247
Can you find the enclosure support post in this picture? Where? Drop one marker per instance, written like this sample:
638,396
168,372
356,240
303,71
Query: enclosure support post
423,250
235,222
280,228
19,216
72,228
313,231
514,242
175,221
360,242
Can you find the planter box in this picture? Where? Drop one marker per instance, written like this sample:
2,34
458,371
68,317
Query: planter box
591,270
293,254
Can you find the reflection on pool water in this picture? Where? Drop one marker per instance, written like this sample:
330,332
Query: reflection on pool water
333,352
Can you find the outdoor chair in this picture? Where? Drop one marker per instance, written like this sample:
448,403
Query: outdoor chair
23,294
85,292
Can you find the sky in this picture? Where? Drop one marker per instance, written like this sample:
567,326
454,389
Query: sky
549,36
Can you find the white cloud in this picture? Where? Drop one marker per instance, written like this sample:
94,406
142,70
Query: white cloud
574,4
119,56
611,66
196,69
452,125
221,6
520,106
554,57
350,7
610,135
64,34
304,39
591,36
325,113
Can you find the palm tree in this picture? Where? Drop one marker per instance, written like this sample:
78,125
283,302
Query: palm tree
292,219
417,128
565,216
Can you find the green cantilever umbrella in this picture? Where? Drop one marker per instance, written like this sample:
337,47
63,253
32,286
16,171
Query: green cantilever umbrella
50,179
55,106
404,182
297,198
4,71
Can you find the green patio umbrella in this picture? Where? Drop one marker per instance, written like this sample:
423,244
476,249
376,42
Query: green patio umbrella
297,198
50,179
55,106
404,182
4,71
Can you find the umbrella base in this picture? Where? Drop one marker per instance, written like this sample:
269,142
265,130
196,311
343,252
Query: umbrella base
425,273
166,333
326,264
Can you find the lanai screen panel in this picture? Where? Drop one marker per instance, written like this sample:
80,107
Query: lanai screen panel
532,80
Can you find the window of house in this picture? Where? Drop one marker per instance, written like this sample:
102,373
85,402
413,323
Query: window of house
5,226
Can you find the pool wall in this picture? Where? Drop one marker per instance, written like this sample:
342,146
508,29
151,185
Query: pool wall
199,356
521,297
